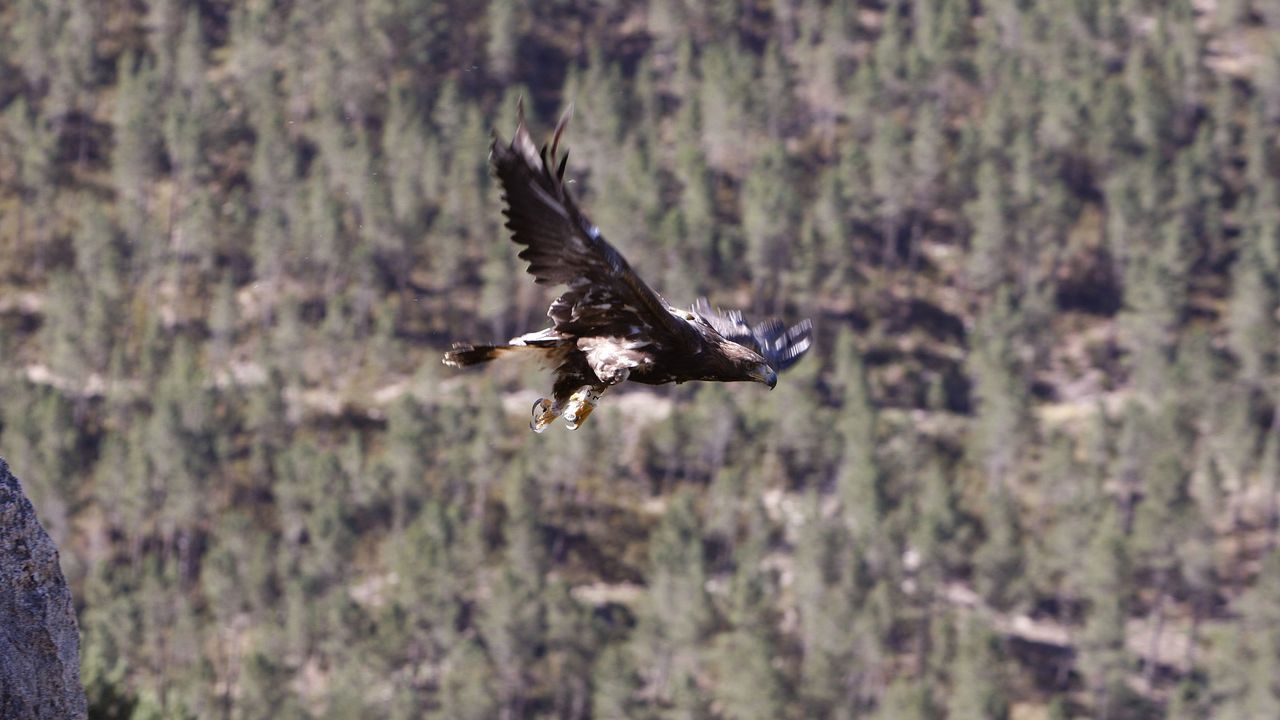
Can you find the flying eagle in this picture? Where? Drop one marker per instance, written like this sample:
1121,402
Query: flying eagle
610,326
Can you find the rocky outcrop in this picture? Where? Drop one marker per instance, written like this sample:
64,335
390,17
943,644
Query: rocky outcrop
39,640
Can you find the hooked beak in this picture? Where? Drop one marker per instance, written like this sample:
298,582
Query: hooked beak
764,374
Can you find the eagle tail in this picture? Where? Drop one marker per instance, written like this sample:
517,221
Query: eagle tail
467,355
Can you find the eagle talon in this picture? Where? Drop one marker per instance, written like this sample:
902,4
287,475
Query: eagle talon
544,413
581,403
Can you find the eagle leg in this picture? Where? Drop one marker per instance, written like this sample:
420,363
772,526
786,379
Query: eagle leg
544,413
581,403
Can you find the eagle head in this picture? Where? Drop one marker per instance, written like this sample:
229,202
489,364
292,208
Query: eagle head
747,364
765,374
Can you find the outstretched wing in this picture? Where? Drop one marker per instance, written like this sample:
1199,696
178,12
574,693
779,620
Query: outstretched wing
605,296
779,345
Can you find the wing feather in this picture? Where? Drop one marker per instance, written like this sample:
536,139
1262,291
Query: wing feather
778,344
562,247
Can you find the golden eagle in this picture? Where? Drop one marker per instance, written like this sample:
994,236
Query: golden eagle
610,326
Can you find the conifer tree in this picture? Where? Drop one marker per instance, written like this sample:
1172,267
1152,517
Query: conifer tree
977,687
859,478
503,19
725,76
677,613
1000,562
1104,660
749,684
768,214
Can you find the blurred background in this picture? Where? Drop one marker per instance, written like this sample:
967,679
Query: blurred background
1029,471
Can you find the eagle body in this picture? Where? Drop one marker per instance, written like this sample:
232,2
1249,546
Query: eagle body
609,326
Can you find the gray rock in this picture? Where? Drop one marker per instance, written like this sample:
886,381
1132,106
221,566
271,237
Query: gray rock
39,639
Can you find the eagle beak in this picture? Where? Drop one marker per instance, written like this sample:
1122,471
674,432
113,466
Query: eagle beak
765,374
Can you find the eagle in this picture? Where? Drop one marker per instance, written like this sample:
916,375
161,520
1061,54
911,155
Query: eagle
609,326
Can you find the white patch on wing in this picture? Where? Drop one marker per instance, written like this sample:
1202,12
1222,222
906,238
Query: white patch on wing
613,358
684,315
542,336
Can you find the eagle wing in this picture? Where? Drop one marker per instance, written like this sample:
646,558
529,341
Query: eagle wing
779,345
605,296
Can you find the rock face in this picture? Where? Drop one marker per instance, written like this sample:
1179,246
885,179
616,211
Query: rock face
39,639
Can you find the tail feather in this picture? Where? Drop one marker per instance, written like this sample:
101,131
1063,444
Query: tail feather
466,355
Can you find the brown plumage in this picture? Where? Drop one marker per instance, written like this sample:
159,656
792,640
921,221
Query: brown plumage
609,326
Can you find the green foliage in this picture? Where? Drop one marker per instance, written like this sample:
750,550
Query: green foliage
1105,660
235,236
978,692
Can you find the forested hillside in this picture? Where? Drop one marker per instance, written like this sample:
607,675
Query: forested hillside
1030,470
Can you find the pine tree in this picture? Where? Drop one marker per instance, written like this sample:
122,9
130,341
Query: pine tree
989,215
928,154
906,699
503,19
777,83
1000,562
828,589
133,158
1150,109
407,458
724,98
977,687
63,334
677,613
614,684
468,690
890,181
573,643
859,477
768,214
1073,489
697,204
403,145
1103,658
512,621
185,125
1004,423
749,684
889,52
937,531
31,144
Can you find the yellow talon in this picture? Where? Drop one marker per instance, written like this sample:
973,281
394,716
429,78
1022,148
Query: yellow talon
575,419
544,413
581,403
